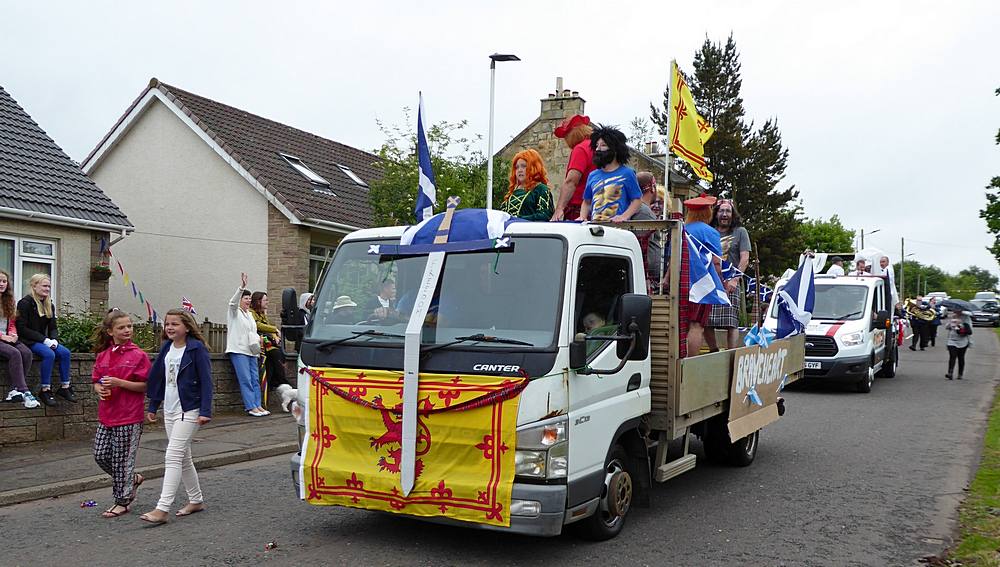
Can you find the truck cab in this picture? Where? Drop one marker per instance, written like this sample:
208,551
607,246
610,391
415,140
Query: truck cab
850,338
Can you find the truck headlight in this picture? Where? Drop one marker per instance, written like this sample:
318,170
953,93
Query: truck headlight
542,450
853,339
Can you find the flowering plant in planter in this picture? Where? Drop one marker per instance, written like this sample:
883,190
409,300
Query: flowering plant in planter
100,272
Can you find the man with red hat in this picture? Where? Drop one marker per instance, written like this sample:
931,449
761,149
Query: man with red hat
697,216
575,131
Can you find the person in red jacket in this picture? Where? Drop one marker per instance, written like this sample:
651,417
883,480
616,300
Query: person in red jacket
119,378
575,131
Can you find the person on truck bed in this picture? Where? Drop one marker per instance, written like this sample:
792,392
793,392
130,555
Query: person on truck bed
736,250
575,131
612,192
837,266
860,268
697,214
528,194
649,240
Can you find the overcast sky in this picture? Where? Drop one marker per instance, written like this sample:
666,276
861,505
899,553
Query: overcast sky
887,108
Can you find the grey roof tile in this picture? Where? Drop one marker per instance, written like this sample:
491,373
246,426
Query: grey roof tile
37,176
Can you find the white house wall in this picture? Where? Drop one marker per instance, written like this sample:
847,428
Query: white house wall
198,223
73,260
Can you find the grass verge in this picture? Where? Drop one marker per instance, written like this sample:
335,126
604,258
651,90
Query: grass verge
979,514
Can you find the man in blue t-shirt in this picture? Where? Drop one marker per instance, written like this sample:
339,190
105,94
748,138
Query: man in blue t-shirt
612,191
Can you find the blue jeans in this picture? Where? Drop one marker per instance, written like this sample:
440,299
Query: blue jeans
49,356
248,375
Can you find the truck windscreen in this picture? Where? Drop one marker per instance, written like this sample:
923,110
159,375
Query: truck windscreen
512,295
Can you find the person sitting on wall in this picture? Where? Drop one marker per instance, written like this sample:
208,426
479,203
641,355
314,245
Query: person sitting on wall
612,192
37,328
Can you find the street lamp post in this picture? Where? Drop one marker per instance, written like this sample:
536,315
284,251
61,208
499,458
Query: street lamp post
489,156
863,236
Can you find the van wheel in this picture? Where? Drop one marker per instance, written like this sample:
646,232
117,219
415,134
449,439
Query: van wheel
889,367
865,385
616,499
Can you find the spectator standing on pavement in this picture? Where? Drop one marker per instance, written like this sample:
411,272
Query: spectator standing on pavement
736,250
243,348
612,191
181,381
18,354
575,131
528,195
837,267
119,379
270,337
37,328
959,328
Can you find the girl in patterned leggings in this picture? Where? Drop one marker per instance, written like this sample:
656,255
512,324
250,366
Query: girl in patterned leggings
119,378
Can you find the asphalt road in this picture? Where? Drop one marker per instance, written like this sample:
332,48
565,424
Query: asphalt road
842,479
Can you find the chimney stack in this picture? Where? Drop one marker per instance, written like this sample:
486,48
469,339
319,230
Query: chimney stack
559,85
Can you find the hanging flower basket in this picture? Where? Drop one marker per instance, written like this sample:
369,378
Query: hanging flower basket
100,273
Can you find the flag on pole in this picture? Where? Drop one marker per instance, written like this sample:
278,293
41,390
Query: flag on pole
688,130
187,305
796,301
426,191
706,287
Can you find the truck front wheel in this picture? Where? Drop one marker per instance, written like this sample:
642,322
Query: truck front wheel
616,499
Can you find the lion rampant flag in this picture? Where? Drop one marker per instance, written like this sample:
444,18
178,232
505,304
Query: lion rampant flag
466,437
688,130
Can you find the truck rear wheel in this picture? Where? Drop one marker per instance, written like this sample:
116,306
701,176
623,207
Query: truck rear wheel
719,449
616,499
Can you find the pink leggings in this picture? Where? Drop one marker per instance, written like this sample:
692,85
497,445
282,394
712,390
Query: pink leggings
18,357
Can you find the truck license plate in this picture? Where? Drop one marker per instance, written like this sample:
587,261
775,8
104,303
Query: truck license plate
813,365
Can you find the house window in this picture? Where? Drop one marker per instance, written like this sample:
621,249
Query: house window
304,170
24,257
319,257
354,176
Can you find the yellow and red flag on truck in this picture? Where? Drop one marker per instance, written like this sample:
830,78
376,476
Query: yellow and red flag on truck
688,130
466,436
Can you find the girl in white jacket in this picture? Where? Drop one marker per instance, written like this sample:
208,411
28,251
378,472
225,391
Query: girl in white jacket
243,348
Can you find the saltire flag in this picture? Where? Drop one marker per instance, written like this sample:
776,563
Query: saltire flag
729,271
766,294
187,305
753,397
688,130
466,225
426,190
706,287
758,336
796,300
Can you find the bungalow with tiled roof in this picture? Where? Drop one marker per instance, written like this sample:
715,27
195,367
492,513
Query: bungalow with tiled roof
53,218
215,191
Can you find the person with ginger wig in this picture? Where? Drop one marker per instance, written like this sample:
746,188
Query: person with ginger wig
528,194
575,131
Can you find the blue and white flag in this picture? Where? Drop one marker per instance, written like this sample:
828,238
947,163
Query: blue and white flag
796,300
466,225
766,293
706,287
729,271
753,397
758,336
426,191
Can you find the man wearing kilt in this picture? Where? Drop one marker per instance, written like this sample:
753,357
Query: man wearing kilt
736,250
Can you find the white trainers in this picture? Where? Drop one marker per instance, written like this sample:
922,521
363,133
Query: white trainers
13,396
29,400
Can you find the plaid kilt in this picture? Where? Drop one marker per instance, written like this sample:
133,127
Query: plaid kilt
727,315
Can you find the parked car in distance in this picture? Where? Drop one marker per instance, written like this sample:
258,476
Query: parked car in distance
938,295
989,295
987,312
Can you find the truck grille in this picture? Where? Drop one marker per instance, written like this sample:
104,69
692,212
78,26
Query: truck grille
819,345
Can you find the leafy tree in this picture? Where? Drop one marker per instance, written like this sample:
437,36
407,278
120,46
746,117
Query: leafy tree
748,163
640,132
458,170
983,280
991,214
929,277
827,236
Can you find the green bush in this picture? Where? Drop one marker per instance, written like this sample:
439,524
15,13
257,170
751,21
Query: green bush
77,328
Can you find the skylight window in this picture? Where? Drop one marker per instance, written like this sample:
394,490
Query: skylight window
304,170
354,176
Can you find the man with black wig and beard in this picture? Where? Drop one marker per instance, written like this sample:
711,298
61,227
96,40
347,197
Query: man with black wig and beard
612,192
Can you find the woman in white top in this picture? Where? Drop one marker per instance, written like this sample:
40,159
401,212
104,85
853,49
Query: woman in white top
243,348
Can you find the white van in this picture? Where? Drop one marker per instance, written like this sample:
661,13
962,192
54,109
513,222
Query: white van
851,336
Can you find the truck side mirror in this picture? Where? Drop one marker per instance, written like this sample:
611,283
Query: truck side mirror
633,315
578,351
289,305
